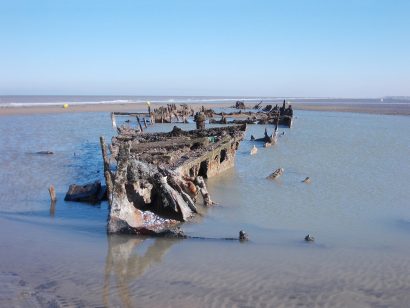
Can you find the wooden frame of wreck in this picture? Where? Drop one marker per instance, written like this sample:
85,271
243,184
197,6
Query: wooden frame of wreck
156,178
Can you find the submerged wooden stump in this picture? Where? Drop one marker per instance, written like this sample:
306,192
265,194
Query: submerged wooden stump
52,192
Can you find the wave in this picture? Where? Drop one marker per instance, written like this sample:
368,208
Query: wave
77,101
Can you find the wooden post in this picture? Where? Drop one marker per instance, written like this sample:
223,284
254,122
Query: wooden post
204,192
107,172
53,198
52,209
139,123
145,122
104,154
114,124
52,193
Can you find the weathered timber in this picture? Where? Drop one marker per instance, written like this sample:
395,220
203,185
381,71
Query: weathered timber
113,122
266,139
52,192
139,124
107,171
164,114
267,115
277,173
159,175
200,120
132,114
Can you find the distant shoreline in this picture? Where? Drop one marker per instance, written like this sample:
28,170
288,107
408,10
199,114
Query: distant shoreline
370,108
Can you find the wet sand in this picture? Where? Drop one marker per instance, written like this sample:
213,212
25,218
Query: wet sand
388,109
379,108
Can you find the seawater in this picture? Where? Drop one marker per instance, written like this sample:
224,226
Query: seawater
356,207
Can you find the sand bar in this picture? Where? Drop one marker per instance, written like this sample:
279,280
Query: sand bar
376,108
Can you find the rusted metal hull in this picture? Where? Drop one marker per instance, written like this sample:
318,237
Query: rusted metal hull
158,177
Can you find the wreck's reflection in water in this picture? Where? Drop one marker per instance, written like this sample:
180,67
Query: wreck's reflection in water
128,258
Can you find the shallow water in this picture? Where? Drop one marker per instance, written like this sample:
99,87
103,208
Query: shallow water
356,207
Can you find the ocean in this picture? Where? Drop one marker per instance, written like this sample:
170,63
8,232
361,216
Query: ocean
356,207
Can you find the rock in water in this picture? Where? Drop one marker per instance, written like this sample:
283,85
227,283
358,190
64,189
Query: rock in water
243,236
44,153
90,192
309,238
307,180
277,173
254,150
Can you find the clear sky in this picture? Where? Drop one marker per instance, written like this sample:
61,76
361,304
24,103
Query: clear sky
312,48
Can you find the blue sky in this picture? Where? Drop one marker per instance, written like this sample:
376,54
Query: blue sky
244,48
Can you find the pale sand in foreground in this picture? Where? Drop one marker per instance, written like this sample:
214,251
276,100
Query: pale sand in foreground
388,109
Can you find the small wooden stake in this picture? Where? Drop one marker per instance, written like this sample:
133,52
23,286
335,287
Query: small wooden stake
52,193
107,171
139,123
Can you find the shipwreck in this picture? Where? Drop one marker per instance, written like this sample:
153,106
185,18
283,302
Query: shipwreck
155,181
257,115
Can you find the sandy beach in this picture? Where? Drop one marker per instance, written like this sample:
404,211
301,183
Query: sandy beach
371,108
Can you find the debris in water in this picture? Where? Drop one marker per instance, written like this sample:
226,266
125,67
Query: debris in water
307,180
243,236
277,173
309,238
